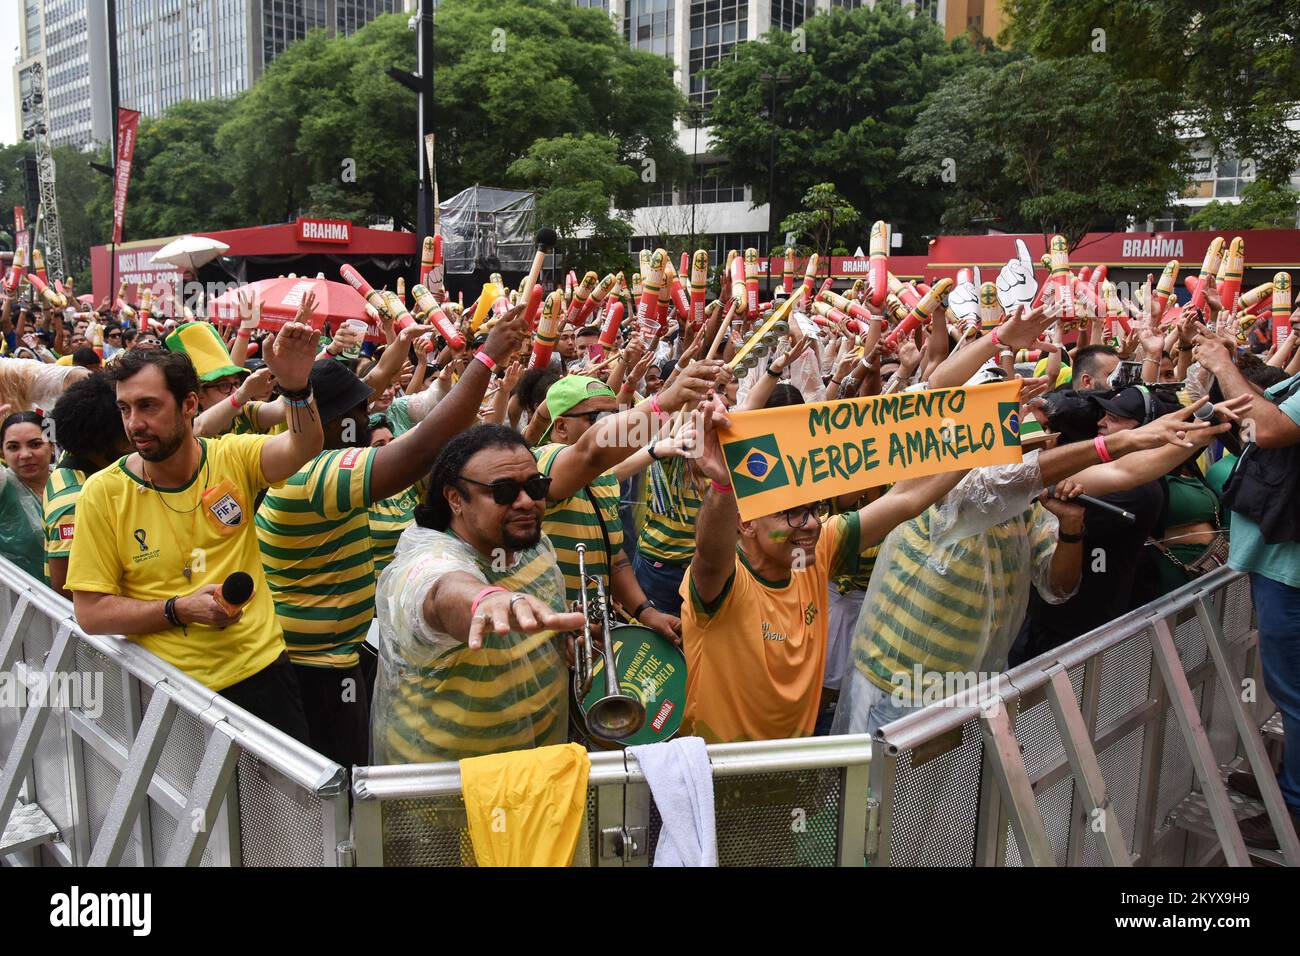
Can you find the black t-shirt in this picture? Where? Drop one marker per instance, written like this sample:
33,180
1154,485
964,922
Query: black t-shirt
1112,556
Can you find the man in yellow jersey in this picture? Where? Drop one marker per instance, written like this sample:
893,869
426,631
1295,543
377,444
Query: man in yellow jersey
159,531
88,428
755,600
588,436
470,610
314,534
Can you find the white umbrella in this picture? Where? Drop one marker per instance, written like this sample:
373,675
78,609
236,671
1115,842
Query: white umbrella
190,252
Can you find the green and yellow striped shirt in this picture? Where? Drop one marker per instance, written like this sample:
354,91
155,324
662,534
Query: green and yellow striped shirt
314,535
950,609
669,532
62,490
388,519
573,521
438,700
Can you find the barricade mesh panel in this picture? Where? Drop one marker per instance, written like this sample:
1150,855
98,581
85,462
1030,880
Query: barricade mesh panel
1121,768
1220,726
183,751
162,830
427,831
10,719
1125,676
1055,804
101,783
51,769
936,805
1176,773
37,638
1189,638
788,818
1238,611
1039,736
112,717
280,823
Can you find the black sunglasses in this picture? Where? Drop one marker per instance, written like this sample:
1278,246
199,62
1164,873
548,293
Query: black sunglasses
506,490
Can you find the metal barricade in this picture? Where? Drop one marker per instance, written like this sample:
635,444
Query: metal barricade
776,803
113,757
1112,749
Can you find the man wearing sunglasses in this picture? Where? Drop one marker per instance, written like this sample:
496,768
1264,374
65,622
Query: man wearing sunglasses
314,533
587,437
754,609
469,612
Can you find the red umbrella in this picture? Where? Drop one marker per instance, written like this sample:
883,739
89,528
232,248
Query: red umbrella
336,303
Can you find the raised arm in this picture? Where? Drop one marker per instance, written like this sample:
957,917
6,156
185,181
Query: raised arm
447,604
1019,331
615,438
403,462
902,502
1273,428
290,357
717,528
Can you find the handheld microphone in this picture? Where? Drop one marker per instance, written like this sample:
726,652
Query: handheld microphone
1092,502
236,591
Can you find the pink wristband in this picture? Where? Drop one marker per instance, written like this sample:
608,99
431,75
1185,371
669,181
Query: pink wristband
993,337
234,402
657,409
244,334
1103,452
721,489
473,608
486,360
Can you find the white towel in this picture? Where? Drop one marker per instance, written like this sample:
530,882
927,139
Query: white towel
681,782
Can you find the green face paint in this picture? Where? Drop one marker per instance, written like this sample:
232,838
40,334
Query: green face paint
779,536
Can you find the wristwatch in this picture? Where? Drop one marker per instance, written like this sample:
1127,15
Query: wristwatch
1070,538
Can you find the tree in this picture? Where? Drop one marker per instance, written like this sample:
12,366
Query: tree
1059,146
1234,67
854,89
826,215
1264,205
575,178
76,187
178,182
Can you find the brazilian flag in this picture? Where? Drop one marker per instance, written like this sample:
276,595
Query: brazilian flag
1009,418
755,465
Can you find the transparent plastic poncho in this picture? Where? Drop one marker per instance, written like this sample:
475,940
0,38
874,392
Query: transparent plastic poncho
951,587
22,525
26,384
435,699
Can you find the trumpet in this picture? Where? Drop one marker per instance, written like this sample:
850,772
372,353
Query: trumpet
616,715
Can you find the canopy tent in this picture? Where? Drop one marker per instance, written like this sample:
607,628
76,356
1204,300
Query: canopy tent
487,230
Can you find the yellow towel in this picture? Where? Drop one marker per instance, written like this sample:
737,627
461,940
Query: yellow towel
525,807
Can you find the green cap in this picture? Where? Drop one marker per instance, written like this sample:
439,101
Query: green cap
570,392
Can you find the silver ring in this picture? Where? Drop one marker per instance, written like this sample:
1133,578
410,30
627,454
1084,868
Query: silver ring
483,617
517,597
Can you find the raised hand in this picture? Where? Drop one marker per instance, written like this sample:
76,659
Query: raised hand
1023,327
290,355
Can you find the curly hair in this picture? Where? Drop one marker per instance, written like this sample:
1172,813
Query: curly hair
86,420
435,513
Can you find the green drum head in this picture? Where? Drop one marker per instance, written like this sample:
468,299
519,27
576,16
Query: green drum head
651,669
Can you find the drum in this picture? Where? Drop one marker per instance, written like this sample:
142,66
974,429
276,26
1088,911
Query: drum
652,669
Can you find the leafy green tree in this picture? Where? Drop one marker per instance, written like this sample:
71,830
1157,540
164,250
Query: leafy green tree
1234,67
1060,146
575,178
843,114
76,187
1264,205
826,216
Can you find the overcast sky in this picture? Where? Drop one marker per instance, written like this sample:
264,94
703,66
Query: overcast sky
10,17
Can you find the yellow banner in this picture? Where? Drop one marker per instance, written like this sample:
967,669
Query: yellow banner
780,458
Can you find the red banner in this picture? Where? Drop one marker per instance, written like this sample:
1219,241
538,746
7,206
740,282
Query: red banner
128,121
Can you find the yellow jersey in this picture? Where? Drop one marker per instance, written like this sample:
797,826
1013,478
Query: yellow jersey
136,541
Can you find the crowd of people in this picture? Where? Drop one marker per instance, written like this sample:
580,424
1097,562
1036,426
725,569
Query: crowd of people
413,515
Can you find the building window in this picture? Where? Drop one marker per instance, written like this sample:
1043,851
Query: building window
847,4
593,4
1232,176
712,186
788,14
648,25
1171,220
660,194
740,241
716,27
928,9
